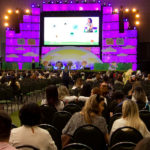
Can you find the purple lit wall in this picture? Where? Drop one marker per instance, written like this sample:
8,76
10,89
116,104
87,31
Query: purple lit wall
116,47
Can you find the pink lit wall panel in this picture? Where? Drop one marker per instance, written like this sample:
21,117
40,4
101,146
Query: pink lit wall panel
26,18
29,26
107,10
115,17
36,11
35,19
107,18
10,34
70,7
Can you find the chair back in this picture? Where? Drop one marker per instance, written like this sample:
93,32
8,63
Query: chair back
72,108
76,146
26,147
123,146
112,120
91,136
145,116
56,136
60,119
125,134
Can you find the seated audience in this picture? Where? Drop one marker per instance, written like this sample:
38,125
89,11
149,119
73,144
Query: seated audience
130,117
50,105
139,97
144,144
90,114
95,90
85,92
5,128
64,95
29,133
116,105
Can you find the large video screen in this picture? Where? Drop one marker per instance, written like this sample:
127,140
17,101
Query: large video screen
71,30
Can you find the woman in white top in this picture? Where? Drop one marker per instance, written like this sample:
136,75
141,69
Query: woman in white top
63,94
29,133
130,117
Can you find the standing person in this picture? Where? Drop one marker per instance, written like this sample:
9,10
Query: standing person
5,128
33,63
66,77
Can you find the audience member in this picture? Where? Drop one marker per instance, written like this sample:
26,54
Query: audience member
5,128
144,144
90,114
130,117
29,133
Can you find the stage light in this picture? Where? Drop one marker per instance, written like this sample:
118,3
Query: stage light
126,10
38,5
109,5
116,10
60,2
137,22
137,16
99,1
80,8
32,5
71,2
27,11
57,2
44,2
6,17
17,11
134,10
66,1
6,24
9,11
97,8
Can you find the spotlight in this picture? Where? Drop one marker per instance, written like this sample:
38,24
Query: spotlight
137,16
71,2
32,5
27,11
116,10
38,5
97,8
6,17
66,1
99,1
17,11
109,5
60,2
57,2
134,10
137,22
6,24
9,11
126,10
80,8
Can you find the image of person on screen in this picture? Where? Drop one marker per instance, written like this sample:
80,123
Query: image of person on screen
89,25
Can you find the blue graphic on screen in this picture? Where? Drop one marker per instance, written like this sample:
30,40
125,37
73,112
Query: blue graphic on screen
71,30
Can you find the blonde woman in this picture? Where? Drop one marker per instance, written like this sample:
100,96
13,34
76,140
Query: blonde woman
90,114
63,94
130,117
